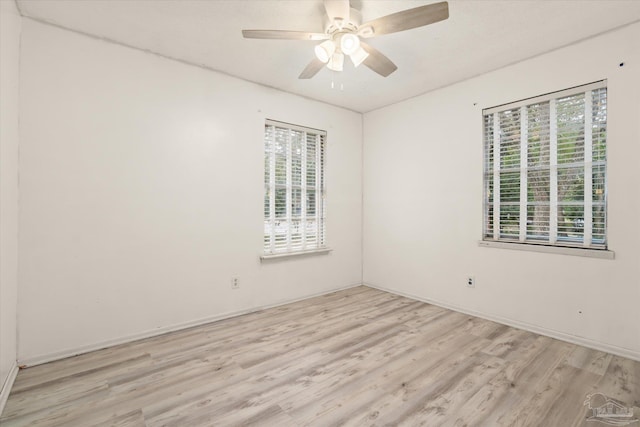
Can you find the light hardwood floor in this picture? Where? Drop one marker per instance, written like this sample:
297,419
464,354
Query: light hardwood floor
354,357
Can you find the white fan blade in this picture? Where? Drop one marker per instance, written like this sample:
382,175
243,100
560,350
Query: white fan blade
311,69
283,35
337,9
405,20
377,61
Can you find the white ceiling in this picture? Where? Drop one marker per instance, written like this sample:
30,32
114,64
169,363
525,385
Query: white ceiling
479,36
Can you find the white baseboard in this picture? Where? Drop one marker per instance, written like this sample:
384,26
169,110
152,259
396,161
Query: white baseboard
50,357
573,339
6,387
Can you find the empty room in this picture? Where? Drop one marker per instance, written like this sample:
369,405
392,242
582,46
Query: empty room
319,213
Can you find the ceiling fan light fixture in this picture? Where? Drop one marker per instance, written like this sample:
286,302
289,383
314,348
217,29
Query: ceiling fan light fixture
325,50
337,62
358,56
345,34
349,43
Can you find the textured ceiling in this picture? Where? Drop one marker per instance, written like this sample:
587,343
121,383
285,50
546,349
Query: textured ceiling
478,37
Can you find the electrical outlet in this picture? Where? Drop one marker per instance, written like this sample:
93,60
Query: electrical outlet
235,283
471,282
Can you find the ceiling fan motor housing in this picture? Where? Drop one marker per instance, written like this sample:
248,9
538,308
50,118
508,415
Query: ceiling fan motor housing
332,25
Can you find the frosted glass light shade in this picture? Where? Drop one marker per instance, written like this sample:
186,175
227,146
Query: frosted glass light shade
336,63
325,50
349,43
359,56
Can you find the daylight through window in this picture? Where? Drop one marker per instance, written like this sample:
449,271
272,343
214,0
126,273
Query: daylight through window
545,169
294,207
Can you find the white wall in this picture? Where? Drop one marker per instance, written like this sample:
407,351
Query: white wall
10,22
126,159
141,185
423,202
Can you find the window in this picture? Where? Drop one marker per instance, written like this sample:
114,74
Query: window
545,169
294,190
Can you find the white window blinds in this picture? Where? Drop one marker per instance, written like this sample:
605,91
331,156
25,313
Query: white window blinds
294,188
545,169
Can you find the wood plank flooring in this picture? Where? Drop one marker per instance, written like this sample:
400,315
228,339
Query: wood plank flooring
357,357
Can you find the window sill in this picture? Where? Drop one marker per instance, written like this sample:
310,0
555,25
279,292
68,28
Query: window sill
322,251
532,247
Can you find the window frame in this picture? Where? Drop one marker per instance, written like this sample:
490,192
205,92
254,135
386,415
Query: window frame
585,247
271,248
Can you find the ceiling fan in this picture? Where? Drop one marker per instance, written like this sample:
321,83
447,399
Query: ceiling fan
344,32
